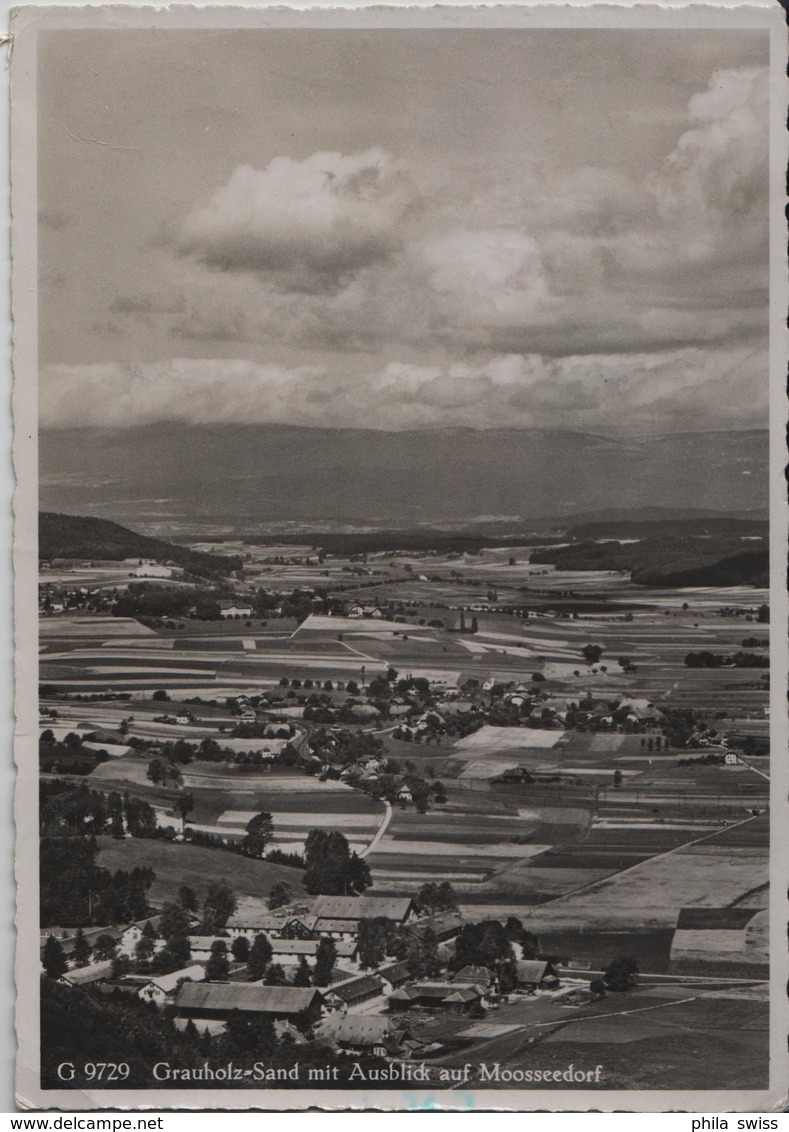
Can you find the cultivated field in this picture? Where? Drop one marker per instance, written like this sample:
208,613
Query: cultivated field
609,843
179,864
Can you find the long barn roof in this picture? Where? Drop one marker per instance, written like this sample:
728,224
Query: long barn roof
243,996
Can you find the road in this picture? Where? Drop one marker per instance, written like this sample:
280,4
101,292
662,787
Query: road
381,831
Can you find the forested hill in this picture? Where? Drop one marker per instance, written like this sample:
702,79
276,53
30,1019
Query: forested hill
716,526
82,536
669,561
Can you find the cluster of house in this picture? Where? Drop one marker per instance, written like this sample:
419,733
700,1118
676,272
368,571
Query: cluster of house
240,607
356,610
55,598
369,1000
59,599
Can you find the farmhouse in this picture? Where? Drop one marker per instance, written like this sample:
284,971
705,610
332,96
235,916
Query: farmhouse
353,992
131,936
161,988
393,976
217,1000
234,609
474,976
443,925
83,976
535,974
642,711
253,917
339,915
287,951
366,1033
200,945
444,996
338,930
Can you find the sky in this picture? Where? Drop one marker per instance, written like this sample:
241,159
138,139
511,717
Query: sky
404,229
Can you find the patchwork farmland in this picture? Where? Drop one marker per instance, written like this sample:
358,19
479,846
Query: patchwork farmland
533,738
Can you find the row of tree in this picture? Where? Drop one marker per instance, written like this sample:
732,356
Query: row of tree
75,891
78,811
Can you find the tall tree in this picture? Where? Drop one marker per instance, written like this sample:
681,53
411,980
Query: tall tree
54,959
422,955
143,952
331,868
303,976
433,898
175,954
121,966
187,898
275,975
82,949
240,948
280,894
260,830
220,903
372,940
259,957
174,920
325,958
218,966
621,973
105,946
482,945
174,925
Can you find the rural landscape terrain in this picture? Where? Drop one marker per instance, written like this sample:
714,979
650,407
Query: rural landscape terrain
401,437
546,746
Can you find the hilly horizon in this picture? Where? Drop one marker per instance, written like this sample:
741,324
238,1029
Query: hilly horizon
241,475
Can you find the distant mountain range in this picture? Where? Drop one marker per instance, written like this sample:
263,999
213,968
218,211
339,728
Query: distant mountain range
237,477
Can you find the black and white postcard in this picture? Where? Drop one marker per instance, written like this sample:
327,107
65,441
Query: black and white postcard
400,551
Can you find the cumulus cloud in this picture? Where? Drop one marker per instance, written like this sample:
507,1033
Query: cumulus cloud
111,394
305,225
607,264
591,299
342,253
608,394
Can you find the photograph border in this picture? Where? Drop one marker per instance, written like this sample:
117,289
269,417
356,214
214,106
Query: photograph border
26,24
